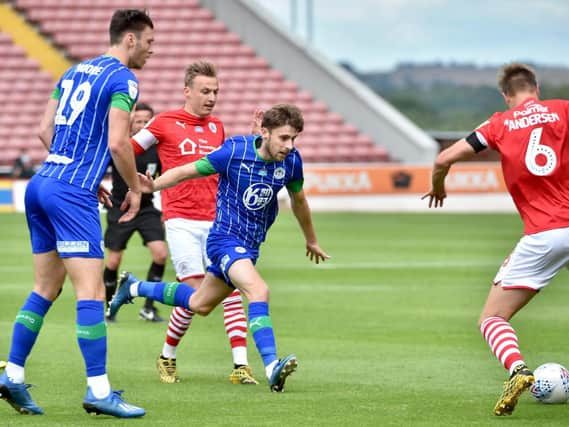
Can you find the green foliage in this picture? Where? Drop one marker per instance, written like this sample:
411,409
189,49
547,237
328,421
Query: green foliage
450,107
385,332
554,92
447,107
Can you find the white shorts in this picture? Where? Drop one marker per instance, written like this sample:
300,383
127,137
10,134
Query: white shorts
536,259
187,243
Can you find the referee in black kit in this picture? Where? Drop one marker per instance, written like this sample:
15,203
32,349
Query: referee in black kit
148,222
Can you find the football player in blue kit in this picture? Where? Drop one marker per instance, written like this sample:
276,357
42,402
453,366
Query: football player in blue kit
252,170
86,122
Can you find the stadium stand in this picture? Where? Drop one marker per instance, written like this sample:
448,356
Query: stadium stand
24,89
185,31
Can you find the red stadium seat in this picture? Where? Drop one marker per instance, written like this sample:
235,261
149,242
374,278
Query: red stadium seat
187,32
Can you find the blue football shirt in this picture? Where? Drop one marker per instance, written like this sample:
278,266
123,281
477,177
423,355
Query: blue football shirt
247,202
79,152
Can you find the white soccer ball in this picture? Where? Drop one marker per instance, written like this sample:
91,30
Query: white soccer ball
551,383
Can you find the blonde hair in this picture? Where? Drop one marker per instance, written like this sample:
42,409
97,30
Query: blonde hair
199,68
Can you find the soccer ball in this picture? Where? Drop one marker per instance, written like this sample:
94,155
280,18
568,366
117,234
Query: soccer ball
551,383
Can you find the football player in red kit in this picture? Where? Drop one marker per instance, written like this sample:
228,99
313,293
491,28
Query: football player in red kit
532,138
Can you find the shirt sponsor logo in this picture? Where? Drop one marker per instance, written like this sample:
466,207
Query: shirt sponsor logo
66,246
279,173
132,89
257,196
187,146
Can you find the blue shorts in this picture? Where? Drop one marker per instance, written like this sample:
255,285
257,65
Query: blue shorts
63,217
223,251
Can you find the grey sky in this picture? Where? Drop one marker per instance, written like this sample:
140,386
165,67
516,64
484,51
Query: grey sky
377,34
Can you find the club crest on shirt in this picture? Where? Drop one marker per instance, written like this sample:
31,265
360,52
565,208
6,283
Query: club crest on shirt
279,173
257,196
132,89
212,127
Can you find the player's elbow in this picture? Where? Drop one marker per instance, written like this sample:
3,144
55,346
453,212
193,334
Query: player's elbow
443,161
44,134
118,147
114,147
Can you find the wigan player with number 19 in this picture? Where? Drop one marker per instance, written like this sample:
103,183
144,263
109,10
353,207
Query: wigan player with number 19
86,122
532,138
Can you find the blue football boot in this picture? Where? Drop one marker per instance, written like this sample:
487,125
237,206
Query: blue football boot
113,405
18,397
282,370
122,295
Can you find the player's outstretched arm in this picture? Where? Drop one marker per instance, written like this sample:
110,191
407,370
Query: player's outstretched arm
176,175
460,150
301,210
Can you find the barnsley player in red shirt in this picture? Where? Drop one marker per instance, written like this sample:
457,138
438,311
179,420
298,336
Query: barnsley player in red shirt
532,138
184,136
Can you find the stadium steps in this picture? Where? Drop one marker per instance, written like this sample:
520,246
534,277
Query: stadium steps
185,32
35,46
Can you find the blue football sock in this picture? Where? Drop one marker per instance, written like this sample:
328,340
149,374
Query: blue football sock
27,327
261,328
92,336
174,294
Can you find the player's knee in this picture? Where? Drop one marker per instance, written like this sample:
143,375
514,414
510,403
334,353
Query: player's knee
203,309
259,292
160,258
113,260
48,292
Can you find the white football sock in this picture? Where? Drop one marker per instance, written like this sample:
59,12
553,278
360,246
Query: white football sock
270,367
100,386
15,373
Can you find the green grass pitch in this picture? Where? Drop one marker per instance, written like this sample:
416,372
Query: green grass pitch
385,332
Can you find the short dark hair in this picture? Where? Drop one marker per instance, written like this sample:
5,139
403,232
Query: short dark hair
516,77
282,115
125,20
143,106
199,68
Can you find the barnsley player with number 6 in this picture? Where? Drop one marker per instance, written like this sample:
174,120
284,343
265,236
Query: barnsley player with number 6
532,138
